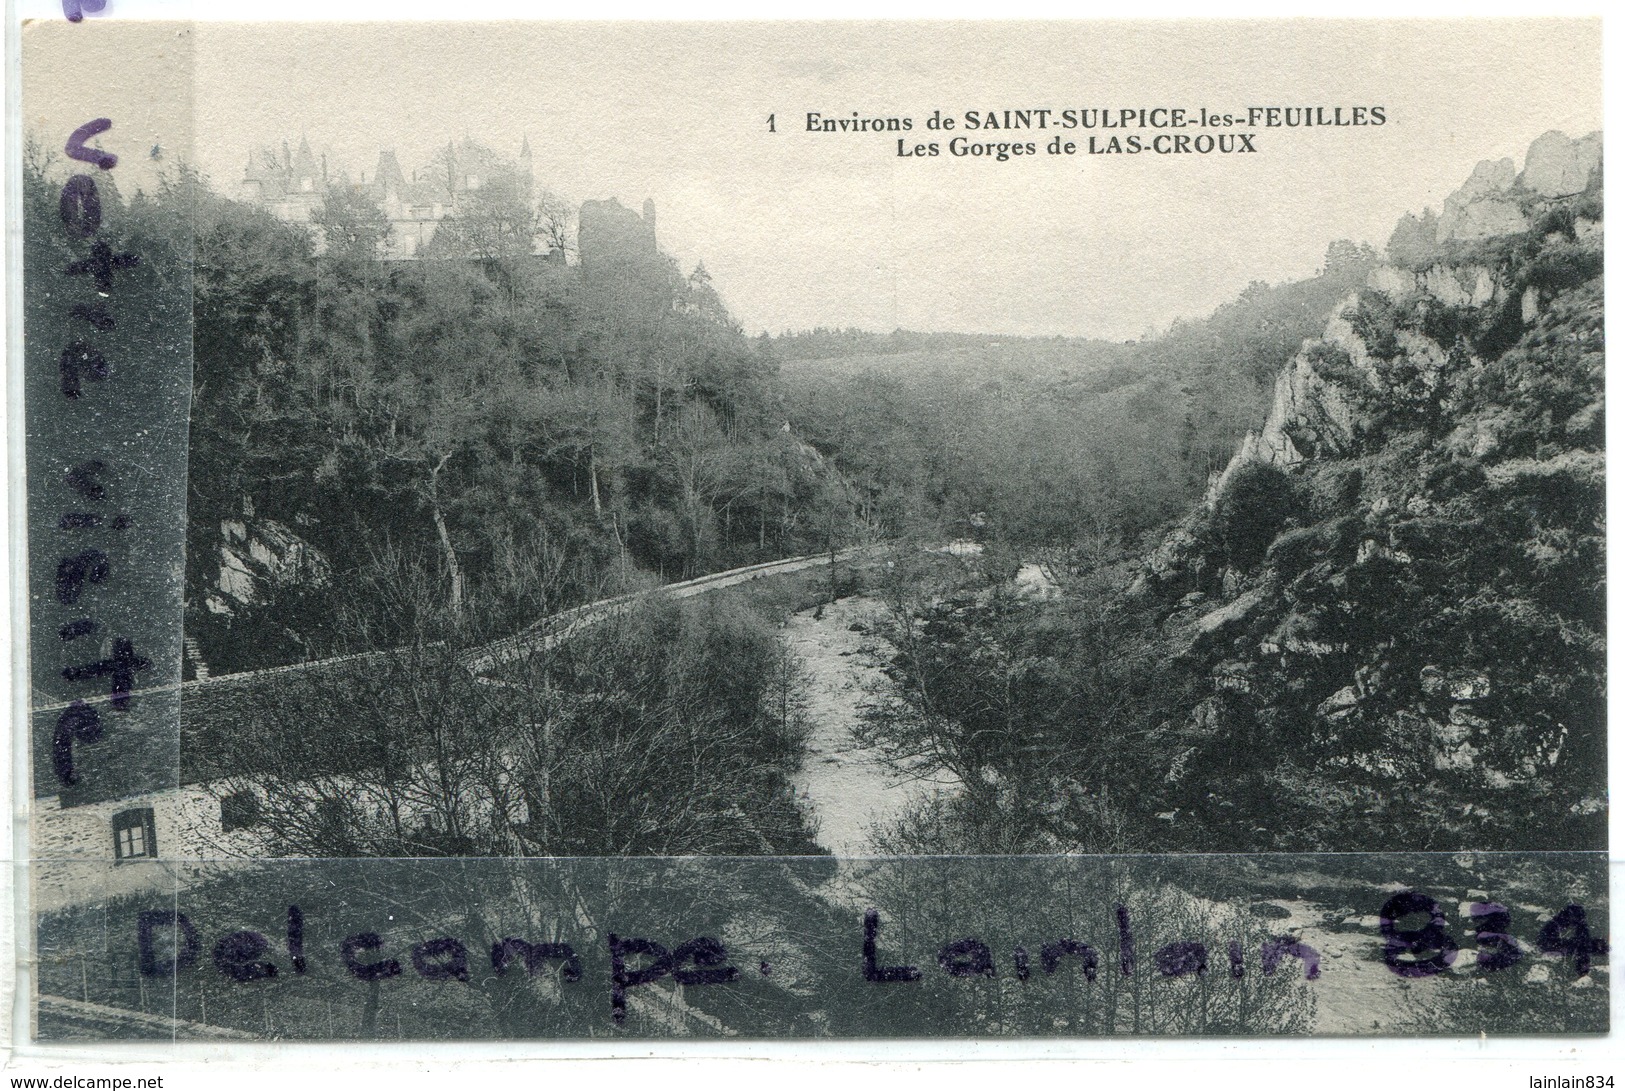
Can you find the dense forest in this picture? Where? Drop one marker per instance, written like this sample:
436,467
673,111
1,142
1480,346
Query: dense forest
531,432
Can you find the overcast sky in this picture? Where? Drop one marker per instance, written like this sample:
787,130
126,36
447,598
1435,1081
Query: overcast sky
801,229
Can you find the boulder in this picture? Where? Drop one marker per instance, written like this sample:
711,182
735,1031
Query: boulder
1452,746
1233,675
1478,437
1230,615
1339,705
1529,305
1455,685
259,558
1206,718
1422,351
1299,634
1371,550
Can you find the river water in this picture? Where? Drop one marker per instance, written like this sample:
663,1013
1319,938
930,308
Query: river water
847,788
850,789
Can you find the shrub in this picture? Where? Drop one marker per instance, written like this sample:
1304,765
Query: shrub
1376,319
1414,243
1252,510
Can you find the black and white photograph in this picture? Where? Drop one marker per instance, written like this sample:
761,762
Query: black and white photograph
814,530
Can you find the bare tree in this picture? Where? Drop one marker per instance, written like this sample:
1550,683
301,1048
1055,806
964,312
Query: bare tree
556,224
664,731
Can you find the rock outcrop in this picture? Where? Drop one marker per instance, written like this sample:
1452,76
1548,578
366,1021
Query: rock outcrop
1310,417
1482,207
1559,167
258,559
1429,478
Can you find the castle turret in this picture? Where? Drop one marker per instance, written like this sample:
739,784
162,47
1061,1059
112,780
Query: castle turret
389,178
252,187
304,168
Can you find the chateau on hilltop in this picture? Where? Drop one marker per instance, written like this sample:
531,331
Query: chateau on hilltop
293,186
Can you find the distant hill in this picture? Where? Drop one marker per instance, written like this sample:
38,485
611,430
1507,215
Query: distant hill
1049,438
963,360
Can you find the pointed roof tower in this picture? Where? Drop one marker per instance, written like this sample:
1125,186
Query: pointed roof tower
304,163
447,175
389,177
527,172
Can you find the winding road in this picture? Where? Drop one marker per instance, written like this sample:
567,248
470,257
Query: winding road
558,627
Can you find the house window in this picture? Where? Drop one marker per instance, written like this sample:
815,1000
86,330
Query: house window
134,836
239,811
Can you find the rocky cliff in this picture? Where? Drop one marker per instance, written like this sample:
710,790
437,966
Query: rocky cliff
1395,588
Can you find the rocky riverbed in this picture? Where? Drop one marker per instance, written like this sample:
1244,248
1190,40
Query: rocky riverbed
850,789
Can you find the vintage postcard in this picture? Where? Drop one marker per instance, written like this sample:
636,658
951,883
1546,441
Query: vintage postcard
568,531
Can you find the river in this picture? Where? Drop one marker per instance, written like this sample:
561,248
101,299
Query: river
849,789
